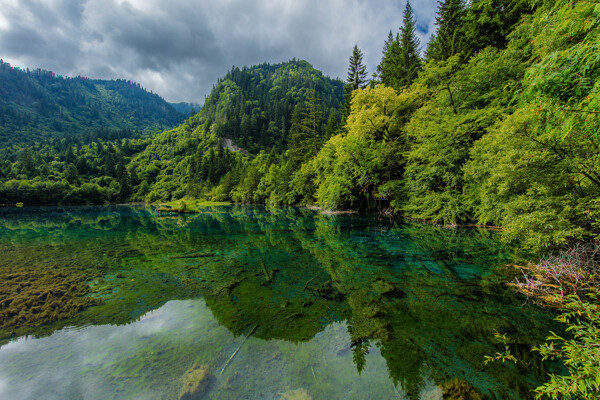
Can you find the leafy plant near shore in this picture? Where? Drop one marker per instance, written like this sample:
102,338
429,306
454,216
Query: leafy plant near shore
568,280
579,351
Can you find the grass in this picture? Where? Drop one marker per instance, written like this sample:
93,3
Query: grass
188,205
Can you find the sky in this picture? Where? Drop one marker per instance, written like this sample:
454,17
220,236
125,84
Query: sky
179,48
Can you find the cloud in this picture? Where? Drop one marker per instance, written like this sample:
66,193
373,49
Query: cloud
179,48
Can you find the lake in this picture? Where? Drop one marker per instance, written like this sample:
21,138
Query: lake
119,302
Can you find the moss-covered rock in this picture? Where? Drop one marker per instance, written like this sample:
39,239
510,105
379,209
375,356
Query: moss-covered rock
195,382
298,394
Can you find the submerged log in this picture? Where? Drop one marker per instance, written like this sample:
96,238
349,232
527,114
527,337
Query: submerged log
196,255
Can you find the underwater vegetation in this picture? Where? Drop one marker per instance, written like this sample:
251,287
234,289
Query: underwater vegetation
31,297
251,302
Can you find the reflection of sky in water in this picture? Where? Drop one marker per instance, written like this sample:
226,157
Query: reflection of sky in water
50,367
83,363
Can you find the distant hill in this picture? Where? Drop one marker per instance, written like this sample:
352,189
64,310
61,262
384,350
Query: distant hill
38,104
186,108
254,105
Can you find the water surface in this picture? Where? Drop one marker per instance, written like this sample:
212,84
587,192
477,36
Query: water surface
333,307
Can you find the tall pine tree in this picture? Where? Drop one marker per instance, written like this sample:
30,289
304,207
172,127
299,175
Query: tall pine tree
306,133
357,71
357,79
388,69
401,61
450,37
410,60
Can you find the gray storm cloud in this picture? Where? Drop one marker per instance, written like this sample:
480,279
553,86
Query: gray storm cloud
179,48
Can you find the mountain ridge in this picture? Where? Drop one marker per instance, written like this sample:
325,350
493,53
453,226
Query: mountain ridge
39,104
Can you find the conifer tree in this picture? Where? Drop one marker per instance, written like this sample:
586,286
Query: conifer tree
449,38
401,61
305,133
381,68
388,69
410,60
357,73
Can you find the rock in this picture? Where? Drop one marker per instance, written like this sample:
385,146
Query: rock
194,382
459,389
388,290
298,394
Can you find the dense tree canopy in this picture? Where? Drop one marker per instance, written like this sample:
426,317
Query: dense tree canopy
37,104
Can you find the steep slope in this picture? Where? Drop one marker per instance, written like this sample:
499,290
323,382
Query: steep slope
39,104
254,106
251,108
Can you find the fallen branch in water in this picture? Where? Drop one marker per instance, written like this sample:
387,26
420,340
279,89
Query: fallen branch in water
262,264
238,349
298,314
197,255
309,281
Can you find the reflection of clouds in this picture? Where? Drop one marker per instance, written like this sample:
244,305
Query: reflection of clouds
3,384
51,367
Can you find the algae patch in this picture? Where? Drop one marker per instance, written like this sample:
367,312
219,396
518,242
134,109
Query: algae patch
31,296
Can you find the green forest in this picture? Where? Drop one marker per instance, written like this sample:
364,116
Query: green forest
494,122
38,105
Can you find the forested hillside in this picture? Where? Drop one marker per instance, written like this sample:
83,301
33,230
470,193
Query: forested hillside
261,108
37,105
265,112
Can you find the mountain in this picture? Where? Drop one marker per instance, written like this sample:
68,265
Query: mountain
38,104
186,109
253,106
252,109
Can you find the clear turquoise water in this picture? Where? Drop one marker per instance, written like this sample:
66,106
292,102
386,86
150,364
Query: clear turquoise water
345,307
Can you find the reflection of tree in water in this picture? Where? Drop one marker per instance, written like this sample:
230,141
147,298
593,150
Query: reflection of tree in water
425,296
429,305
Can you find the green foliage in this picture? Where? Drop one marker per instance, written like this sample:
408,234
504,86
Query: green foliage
544,184
71,170
401,60
579,352
306,136
410,59
253,106
357,75
38,104
349,169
